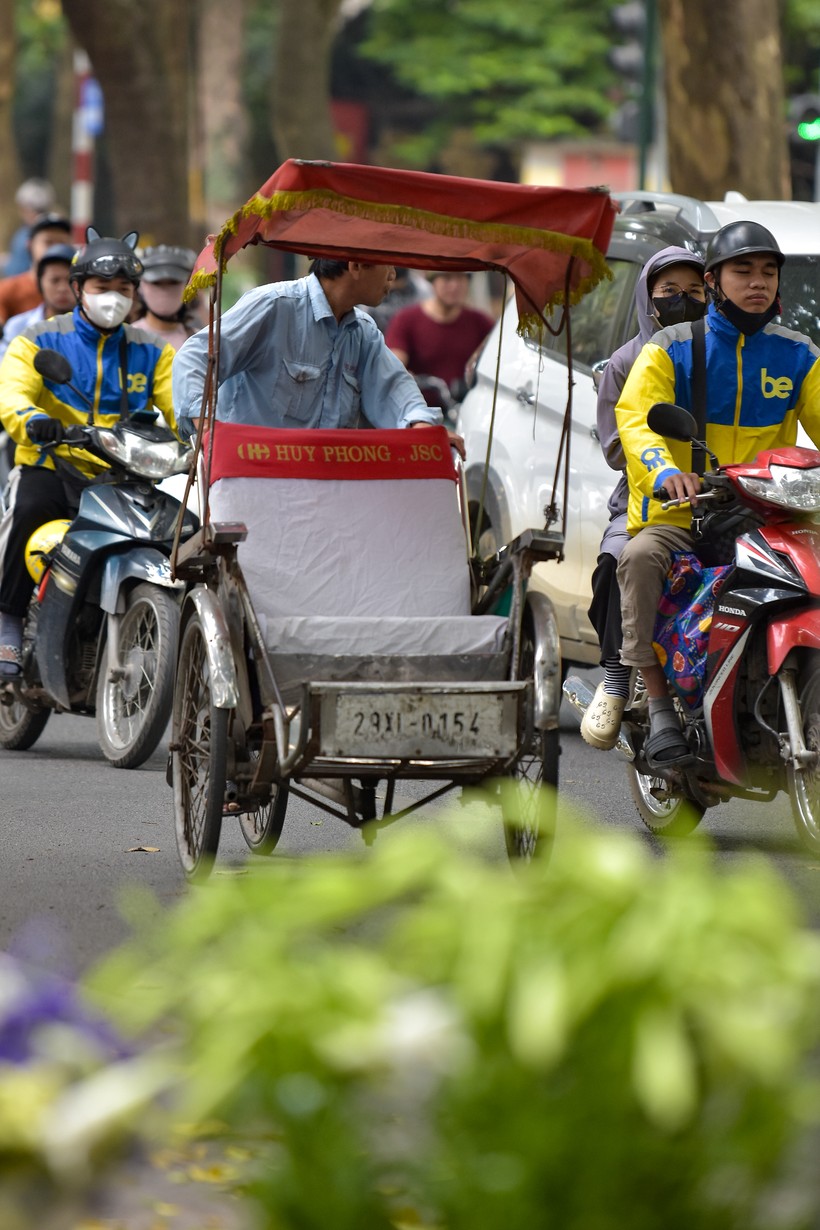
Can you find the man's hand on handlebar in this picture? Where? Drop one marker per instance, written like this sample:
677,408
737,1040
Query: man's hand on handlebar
456,441
680,487
41,429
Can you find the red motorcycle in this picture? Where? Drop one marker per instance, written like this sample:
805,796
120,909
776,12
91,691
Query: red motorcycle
757,729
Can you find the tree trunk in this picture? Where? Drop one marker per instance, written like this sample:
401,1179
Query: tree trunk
220,161
9,165
724,98
302,126
59,153
140,52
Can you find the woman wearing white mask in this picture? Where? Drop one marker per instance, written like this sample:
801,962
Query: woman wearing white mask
166,270
117,370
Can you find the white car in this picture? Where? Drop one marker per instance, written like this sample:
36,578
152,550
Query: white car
532,389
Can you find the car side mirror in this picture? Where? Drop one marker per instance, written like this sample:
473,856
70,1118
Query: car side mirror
598,370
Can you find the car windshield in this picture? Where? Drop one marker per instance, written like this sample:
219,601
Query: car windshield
800,293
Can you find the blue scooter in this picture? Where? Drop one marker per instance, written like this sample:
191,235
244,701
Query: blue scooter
102,627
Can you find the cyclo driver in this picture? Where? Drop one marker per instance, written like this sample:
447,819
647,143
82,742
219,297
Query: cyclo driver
121,371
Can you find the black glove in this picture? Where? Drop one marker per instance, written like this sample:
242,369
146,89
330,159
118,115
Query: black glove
43,430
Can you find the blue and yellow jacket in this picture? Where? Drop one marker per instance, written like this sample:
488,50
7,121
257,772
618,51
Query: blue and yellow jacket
95,362
759,388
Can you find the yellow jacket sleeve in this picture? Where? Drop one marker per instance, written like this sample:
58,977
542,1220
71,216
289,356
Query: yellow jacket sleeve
22,393
162,397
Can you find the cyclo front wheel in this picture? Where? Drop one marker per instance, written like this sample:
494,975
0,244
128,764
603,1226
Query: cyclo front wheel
198,759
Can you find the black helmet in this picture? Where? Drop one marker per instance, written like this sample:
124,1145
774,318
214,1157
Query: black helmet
107,258
62,253
741,239
166,263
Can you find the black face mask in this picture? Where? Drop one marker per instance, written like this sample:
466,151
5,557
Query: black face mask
675,309
748,322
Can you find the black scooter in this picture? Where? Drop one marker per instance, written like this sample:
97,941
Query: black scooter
101,631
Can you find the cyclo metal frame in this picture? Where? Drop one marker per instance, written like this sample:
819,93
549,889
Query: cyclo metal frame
379,724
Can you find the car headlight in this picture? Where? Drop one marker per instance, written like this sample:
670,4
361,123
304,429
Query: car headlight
788,487
148,458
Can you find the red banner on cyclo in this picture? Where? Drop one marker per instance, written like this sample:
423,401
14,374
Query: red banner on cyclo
279,452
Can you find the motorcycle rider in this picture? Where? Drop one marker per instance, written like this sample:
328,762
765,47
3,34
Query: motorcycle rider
120,370
670,290
52,272
166,270
761,380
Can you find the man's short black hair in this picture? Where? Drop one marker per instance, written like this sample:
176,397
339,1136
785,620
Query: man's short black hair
328,269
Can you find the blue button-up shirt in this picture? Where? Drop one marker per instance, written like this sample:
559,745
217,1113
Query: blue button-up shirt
284,361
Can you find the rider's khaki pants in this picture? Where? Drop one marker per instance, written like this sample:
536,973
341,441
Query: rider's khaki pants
642,567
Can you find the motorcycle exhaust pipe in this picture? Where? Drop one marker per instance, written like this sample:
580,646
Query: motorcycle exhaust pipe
580,695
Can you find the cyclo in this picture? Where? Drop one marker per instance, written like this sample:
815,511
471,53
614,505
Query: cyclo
339,632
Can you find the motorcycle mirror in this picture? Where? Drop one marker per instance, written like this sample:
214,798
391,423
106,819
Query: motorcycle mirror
673,422
53,366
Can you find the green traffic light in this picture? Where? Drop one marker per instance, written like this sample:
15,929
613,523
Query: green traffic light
809,130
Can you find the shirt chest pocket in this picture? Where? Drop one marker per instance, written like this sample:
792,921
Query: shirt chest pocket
297,392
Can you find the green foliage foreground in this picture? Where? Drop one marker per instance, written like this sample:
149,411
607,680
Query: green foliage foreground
422,1037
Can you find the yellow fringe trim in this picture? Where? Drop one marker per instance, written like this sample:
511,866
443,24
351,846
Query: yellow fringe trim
430,223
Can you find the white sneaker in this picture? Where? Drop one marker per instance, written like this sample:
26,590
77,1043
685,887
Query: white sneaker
601,722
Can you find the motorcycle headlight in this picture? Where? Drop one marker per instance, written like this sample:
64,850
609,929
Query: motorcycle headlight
147,458
787,487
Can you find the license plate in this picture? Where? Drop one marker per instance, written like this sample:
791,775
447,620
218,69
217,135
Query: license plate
418,725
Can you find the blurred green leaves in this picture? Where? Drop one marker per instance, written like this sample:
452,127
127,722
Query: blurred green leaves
609,1039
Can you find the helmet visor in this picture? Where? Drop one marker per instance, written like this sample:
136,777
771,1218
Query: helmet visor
113,265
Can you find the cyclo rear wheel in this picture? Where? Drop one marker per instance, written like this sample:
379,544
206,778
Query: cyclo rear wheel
262,827
529,813
198,759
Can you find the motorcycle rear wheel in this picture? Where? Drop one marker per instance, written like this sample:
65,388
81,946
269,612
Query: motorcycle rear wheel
21,726
673,817
199,757
132,712
804,784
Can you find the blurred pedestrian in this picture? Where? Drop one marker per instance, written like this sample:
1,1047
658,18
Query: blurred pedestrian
437,336
21,292
32,198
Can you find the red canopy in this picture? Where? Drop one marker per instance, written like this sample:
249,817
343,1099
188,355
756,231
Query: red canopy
546,239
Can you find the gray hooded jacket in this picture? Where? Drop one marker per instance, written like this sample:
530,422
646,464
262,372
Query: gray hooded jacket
613,380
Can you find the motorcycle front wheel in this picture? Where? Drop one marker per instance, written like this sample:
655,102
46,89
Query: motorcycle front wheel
199,756
20,725
674,816
133,710
804,784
